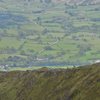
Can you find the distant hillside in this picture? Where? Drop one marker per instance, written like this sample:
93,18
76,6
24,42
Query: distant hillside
78,1
81,1
66,1
45,84
49,33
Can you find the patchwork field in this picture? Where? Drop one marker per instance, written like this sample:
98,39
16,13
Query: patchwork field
33,33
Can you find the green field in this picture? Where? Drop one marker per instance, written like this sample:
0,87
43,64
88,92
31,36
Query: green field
39,34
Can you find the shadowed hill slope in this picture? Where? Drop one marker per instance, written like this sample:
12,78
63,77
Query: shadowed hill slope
57,84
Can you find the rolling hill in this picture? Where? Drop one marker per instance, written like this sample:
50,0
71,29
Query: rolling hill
82,83
49,33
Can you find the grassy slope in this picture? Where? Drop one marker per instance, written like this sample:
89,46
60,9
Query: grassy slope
44,84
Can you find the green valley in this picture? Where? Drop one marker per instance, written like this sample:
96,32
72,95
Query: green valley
47,33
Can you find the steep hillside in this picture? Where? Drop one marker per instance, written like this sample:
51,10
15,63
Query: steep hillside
45,84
